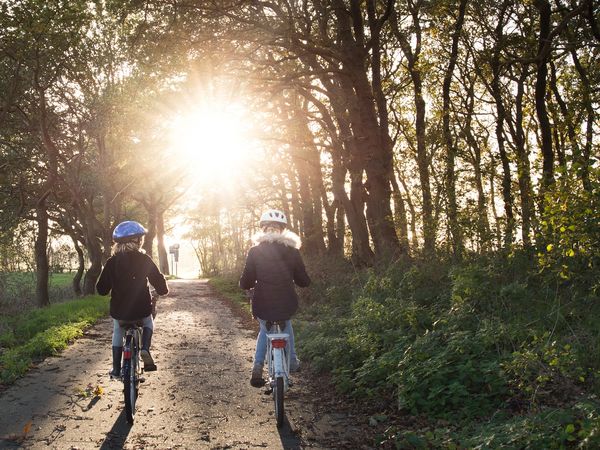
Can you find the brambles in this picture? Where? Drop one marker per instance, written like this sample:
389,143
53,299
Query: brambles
485,340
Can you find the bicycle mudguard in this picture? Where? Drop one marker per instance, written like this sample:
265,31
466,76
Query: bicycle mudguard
278,364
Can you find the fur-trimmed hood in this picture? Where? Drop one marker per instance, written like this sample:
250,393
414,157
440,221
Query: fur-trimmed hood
287,238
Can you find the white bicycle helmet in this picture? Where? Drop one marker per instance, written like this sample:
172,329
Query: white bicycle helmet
273,215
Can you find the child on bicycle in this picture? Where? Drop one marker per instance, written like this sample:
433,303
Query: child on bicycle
126,276
272,268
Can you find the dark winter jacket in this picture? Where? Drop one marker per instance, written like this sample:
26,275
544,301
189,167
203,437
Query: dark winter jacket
272,268
126,274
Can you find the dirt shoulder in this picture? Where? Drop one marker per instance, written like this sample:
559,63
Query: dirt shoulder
199,398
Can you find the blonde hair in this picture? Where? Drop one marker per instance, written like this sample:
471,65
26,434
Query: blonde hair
272,229
130,246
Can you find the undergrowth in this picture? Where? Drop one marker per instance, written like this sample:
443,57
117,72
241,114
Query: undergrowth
30,337
489,353
500,354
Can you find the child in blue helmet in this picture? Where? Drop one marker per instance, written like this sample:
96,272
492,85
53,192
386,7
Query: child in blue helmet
273,266
126,276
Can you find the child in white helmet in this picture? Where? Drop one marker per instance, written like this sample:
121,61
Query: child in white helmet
273,266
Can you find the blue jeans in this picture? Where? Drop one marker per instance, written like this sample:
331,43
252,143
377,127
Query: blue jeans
119,330
261,341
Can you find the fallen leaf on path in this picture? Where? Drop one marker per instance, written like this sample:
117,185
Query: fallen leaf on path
18,438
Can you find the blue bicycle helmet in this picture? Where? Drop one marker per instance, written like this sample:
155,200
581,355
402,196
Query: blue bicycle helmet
128,231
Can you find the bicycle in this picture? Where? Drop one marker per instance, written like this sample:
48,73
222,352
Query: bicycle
131,368
278,366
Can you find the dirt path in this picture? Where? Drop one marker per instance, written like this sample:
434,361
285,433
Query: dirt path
199,398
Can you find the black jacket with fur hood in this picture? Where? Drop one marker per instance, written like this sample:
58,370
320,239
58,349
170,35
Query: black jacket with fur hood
126,274
272,268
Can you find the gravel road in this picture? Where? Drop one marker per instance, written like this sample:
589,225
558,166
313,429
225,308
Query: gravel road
200,397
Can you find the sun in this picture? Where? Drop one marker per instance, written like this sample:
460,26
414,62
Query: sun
212,141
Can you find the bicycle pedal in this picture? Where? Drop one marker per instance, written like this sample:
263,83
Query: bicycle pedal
268,391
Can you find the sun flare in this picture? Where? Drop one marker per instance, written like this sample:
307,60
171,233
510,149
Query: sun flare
212,142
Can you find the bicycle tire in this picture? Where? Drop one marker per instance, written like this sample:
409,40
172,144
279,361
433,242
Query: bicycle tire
131,380
128,387
278,398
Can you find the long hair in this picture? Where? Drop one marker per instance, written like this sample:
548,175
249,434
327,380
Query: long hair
129,246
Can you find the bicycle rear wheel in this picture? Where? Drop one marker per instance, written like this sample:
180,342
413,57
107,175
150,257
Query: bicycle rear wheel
131,382
129,392
278,398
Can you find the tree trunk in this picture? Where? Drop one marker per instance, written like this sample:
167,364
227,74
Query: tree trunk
455,231
414,68
523,165
361,251
151,227
95,255
163,257
76,283
296,208
306,159
41,254
584,172
372,155
344,159
544,10
285,204
483,226
506,177
400,216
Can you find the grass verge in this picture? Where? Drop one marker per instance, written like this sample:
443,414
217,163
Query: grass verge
44,332
227,285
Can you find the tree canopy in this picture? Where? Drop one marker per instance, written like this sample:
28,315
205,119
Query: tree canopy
420,129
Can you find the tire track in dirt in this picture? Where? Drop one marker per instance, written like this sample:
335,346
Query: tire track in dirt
199,398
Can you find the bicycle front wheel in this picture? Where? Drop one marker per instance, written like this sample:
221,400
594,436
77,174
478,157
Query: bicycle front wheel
278,397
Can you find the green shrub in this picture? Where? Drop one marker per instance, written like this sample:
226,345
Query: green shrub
555,428
453,373
570,251
545,371
578,427
425,284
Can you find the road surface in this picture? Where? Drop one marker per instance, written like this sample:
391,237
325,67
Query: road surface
200,397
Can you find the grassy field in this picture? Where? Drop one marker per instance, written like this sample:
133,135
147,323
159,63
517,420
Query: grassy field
17,290
61,279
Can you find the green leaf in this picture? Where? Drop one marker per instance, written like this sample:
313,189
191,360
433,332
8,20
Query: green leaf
549,247
570,428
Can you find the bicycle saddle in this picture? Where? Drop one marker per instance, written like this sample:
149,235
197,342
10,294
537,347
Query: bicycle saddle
269,324
132,324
